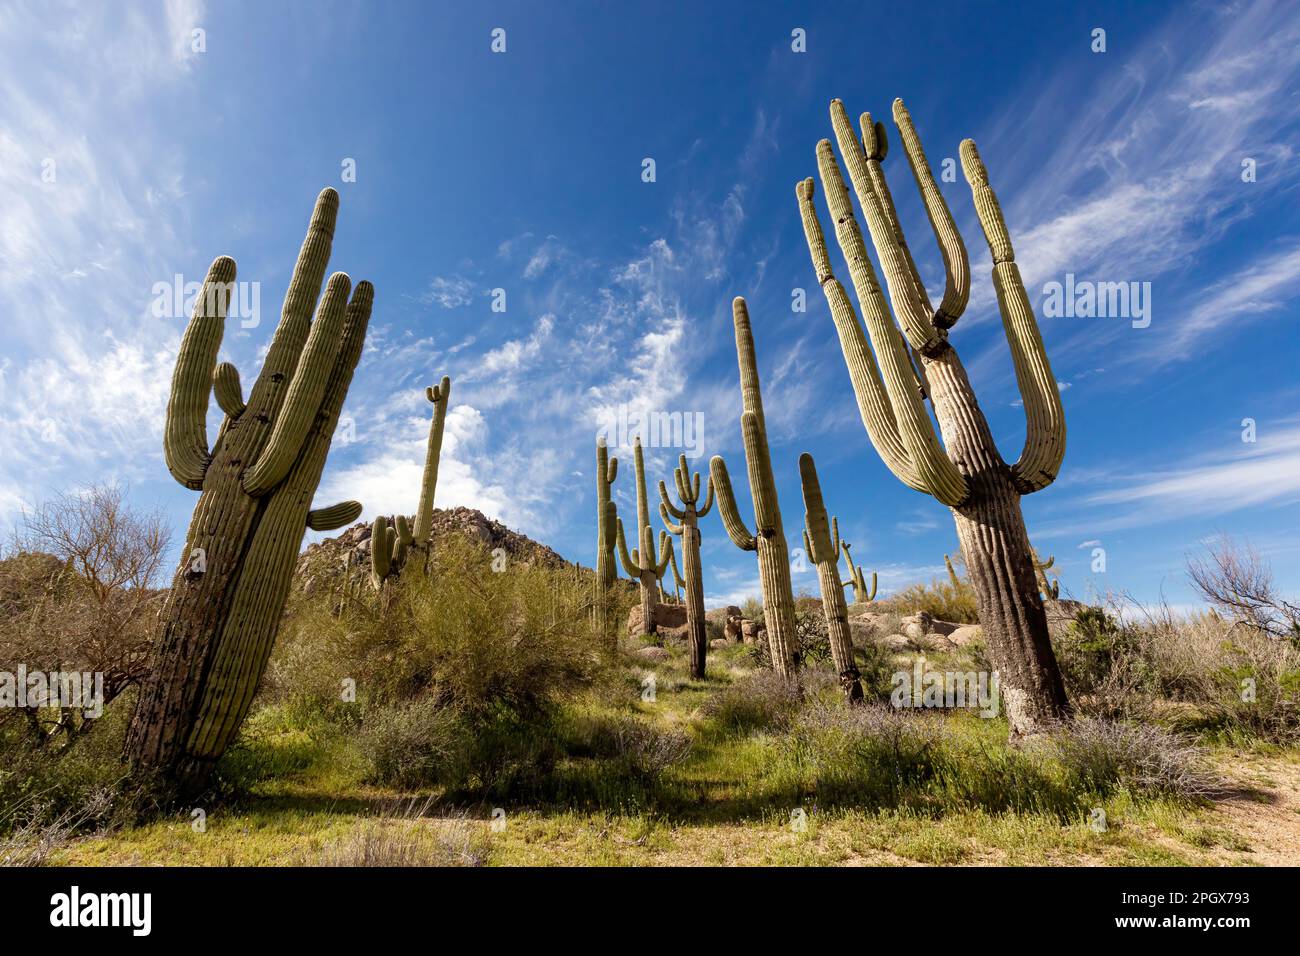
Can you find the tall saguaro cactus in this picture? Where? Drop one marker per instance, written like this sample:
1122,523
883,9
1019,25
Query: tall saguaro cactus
641,564
687,527
768,540
606,519
218,625
1050,588
965,472
825,553
861,593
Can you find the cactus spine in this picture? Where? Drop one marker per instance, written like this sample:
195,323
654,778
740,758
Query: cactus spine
965,473
606,519
861,593
769,540
824,551
218,625
687,527
641,563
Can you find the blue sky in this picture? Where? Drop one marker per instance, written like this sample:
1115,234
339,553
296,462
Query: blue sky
522,171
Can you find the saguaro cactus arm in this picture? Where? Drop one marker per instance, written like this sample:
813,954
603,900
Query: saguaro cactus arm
1044,449
666,555
731,519
334,517
185,433
631,563
227,390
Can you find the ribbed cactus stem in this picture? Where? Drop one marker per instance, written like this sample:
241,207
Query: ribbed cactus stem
952,573
892,378
769,539
642,564
861,593
606,521
823,552
687,527
1050,588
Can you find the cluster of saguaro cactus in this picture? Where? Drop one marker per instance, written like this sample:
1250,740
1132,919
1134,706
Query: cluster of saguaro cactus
687,527
641,562
606,520
1050,588
768,539
257,480
861,593
823,550
966,472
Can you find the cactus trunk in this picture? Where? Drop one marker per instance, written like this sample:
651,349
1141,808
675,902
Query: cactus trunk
219,622
824,551
688,529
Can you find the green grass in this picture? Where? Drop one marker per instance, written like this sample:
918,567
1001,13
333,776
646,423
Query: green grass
295,787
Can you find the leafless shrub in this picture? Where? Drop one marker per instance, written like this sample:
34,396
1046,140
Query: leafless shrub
1146,758
77,594
1238,582
31,842
759,701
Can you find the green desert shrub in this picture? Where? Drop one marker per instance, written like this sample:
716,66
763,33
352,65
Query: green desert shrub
939,599
758,701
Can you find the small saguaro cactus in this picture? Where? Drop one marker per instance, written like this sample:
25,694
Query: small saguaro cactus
824,551
439,395
641,563
966,473
768,541
1051,589
217,628
861,593
390,545
606,519
687,527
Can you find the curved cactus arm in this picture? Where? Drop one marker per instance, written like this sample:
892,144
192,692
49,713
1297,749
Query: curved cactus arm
612,471
666,506
817,534
835,538
708,497
440,396
185,434
665,552
808,547
334,517
227,390
911,304
671,525
933,466
1044,449
630,564
868,388
306,390
872,595
731,520
671,561
683,484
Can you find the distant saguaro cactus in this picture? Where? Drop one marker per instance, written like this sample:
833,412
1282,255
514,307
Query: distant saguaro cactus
641,563
970,477
219,623
1051,589
824,551
952,573
606,519
440,396
861,593
769,537
687,527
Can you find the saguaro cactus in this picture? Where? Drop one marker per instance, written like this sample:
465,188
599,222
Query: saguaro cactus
606,519
687,527
769,537
641,564
440,396
970,477
1051,589
952,573
217,627
824,551
861,593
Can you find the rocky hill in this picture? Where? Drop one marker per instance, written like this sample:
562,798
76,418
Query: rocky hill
323,562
